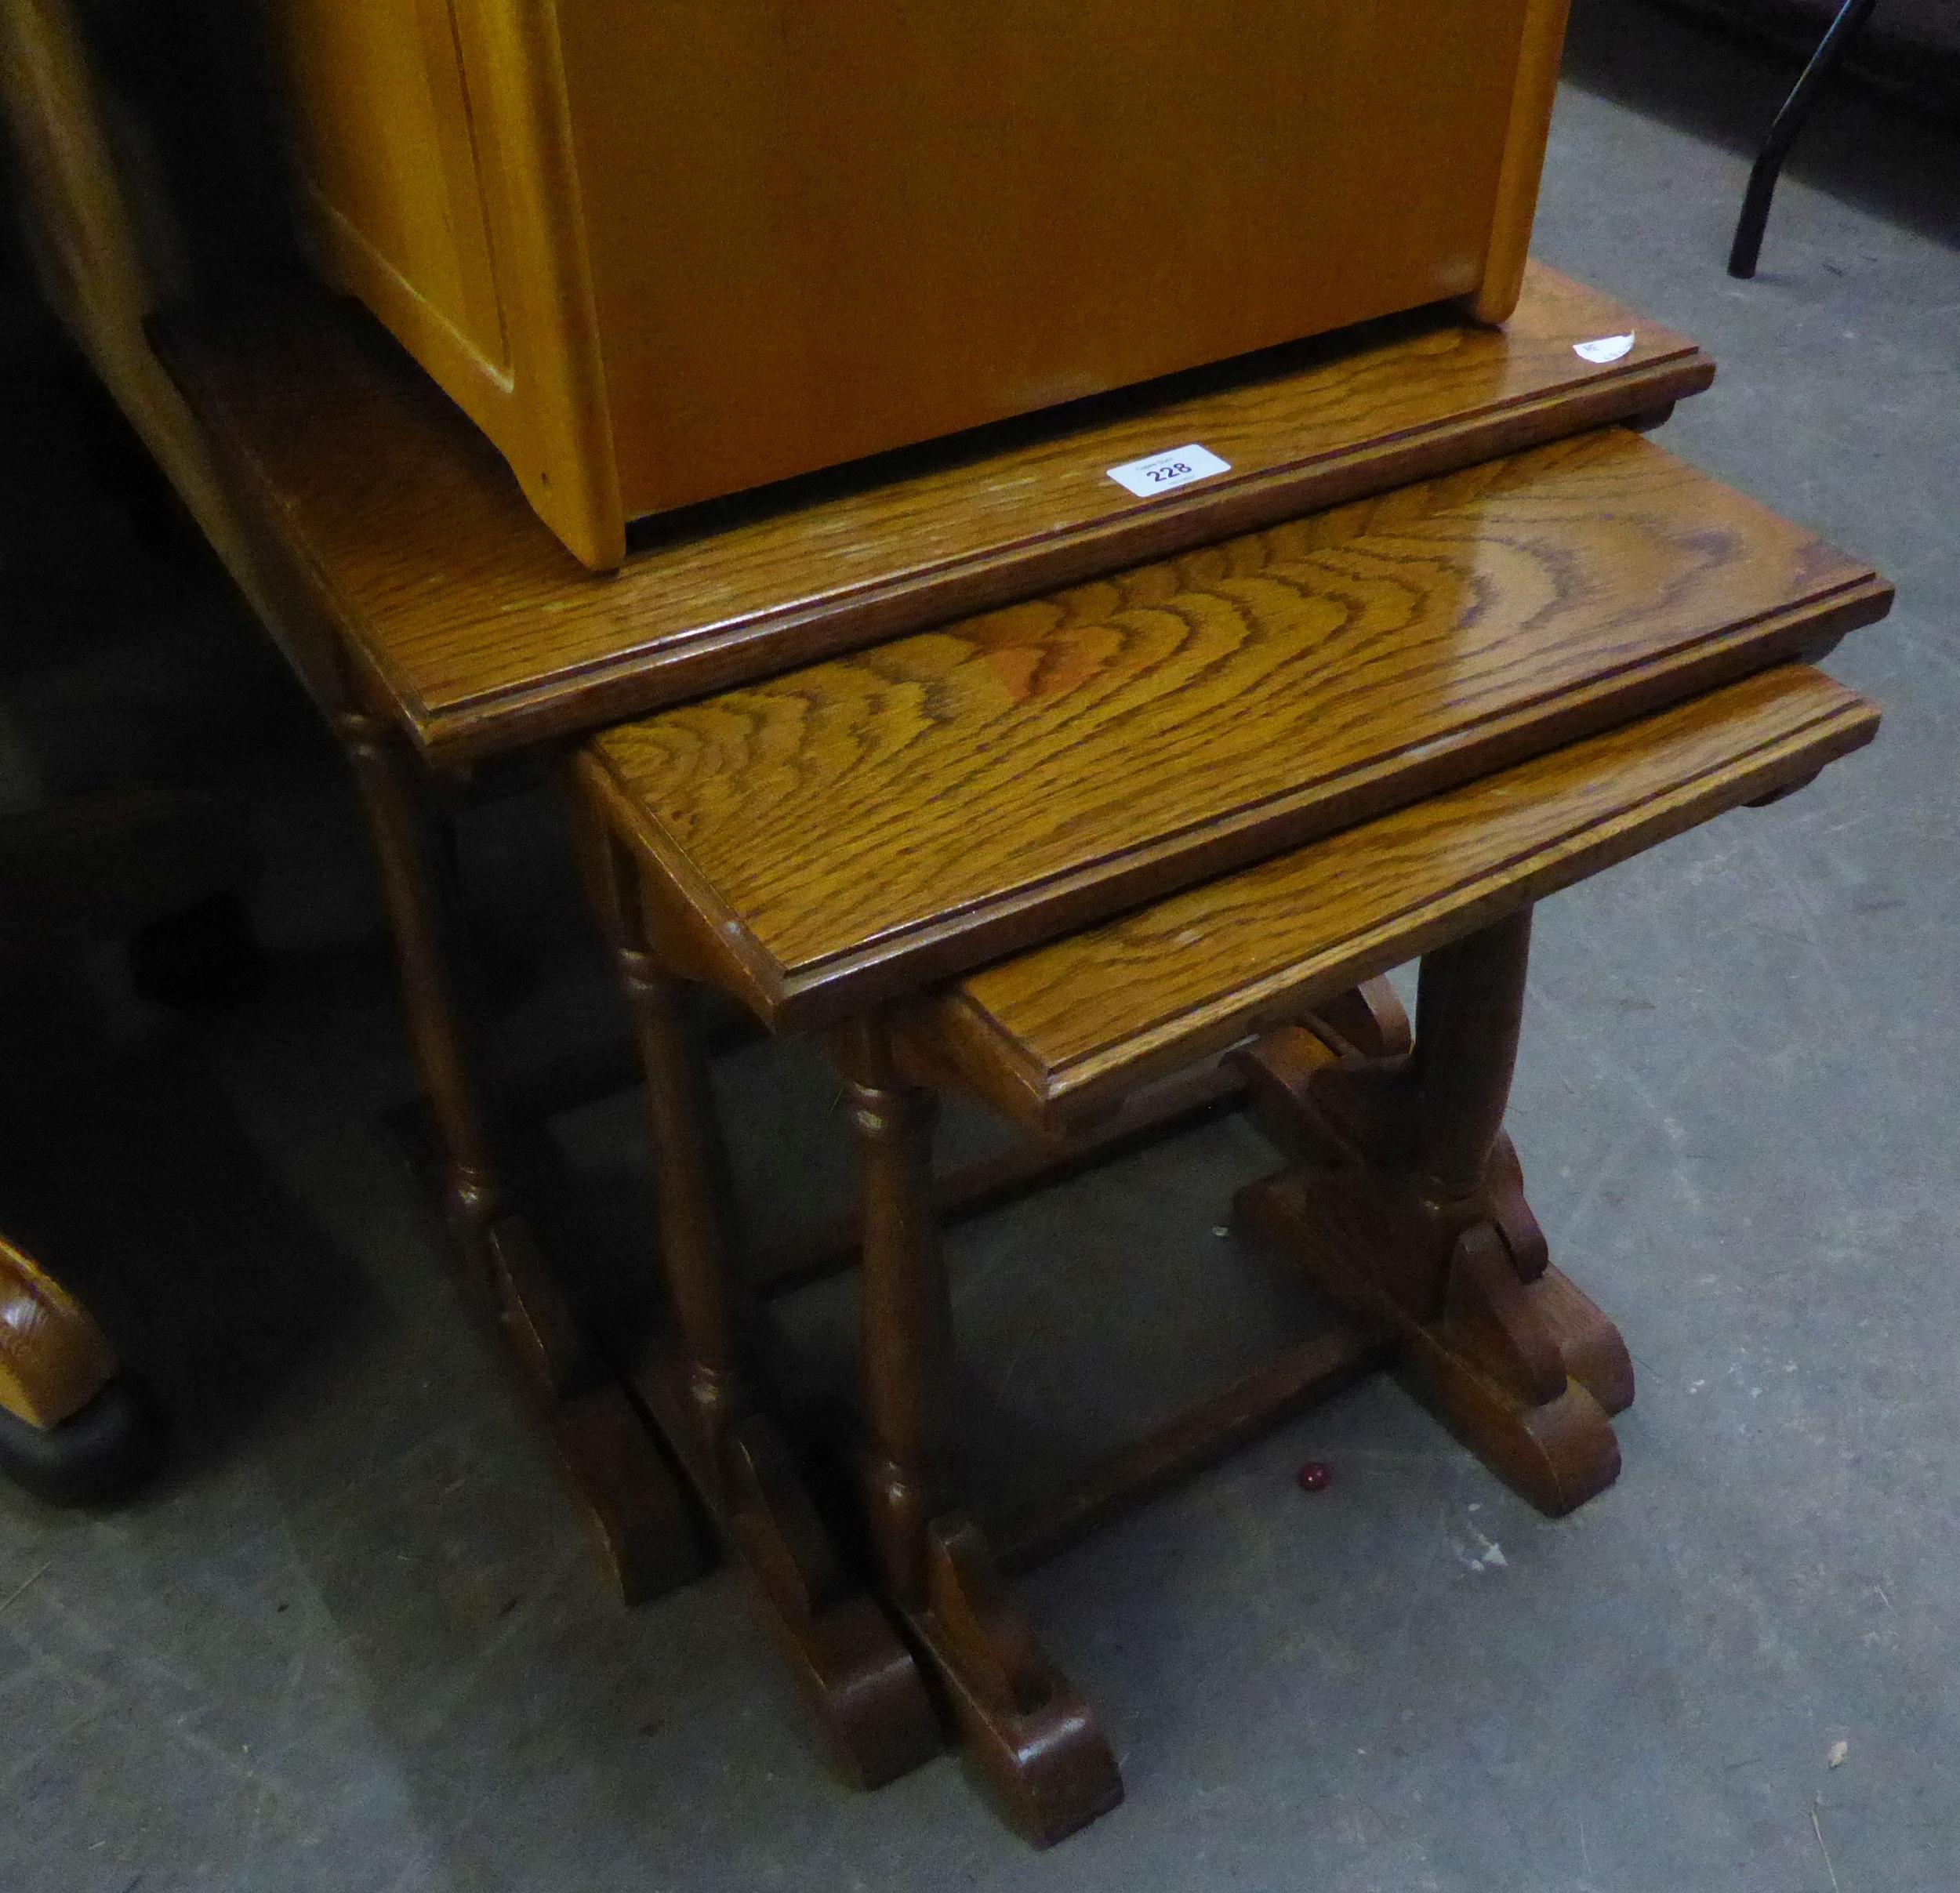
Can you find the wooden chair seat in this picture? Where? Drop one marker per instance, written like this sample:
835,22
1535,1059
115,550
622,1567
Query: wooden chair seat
1061,1034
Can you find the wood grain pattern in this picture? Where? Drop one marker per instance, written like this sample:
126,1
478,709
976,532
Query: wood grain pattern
1028,1733
799,235
54,1359
861,828
559,438
818,232
1074,1024
474,628
77,208
1541,50
1408,1210
380,123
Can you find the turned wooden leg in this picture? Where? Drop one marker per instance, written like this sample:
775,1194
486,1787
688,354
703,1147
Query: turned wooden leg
397,826
875,1717
1030,1735
1407,1208
691,1205
630,1496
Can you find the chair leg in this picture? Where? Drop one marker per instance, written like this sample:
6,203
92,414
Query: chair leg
872,1712
1407,1209
1030,1735
1789,121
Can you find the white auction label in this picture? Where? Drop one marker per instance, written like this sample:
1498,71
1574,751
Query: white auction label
1166,472
1606,348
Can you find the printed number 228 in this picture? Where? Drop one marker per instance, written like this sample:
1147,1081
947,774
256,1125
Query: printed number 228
1175,471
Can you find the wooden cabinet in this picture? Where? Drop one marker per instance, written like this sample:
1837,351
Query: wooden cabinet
665,250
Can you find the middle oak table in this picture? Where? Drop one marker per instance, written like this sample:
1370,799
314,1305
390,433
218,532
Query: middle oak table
1320,749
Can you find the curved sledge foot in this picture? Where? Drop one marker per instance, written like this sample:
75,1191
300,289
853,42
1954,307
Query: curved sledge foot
874,1719
1029,1734
1523,1372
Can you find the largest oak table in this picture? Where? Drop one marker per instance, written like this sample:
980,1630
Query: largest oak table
439,627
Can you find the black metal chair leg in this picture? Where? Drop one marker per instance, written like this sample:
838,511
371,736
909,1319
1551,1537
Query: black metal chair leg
1789,121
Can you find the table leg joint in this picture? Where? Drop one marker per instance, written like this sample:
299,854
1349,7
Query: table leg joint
1405,1206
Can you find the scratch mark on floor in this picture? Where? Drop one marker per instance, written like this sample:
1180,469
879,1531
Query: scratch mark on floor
1818,1825
20,1588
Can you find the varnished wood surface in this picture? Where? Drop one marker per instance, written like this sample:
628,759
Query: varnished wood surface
79,207
862,828
54,1359
432,176
476,630
817,233
665,250
377,110
1408,1210
1029,1734
1541,51
1067,1027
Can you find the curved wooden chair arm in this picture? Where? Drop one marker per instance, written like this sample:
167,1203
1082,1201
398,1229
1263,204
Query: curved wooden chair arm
54,1359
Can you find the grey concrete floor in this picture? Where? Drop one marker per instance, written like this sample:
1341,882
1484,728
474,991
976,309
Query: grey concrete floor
354,1639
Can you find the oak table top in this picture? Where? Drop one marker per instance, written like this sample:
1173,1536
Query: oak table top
1072,1027
468,624
860,829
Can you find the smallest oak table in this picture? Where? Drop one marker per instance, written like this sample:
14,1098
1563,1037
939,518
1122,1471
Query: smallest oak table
1062,853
